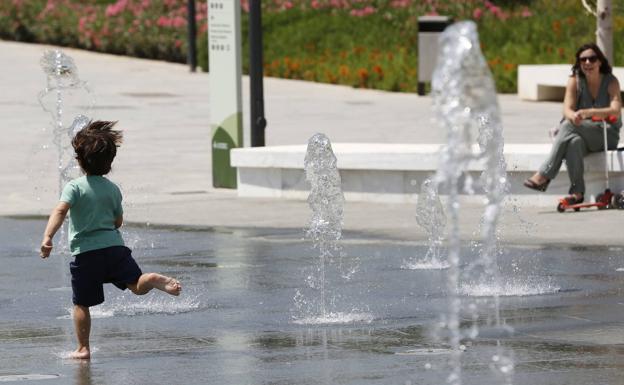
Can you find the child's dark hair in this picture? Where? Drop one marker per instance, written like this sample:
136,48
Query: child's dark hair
96,147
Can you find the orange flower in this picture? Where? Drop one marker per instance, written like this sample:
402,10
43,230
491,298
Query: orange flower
571,20
379,71
494,62
343,54
294,66
363,75
556,27
390,56
344,71
561,52
358,50
330,77
509,67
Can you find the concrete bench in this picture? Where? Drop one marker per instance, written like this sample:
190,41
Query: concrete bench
394,172
548,81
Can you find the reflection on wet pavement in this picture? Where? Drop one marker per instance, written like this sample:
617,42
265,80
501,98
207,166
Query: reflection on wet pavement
236,321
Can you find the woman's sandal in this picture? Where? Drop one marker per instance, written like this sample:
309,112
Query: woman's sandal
536,186
574,200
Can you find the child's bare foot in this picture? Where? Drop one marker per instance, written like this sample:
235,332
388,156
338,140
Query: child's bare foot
82,353
167,284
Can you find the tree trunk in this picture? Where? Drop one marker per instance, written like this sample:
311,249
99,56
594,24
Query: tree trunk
604,31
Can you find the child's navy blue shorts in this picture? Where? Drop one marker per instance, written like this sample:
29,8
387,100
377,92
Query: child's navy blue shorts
92,269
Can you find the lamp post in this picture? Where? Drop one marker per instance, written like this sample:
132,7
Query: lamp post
258,121
192,33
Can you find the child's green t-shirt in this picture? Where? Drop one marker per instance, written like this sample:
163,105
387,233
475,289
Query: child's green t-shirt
95,203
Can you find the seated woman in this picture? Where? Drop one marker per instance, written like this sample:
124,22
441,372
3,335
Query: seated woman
592,92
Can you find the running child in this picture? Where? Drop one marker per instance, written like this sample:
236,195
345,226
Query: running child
95,215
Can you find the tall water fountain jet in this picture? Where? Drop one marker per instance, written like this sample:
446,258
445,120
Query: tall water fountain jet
62,84
63,81
326,201
431,217
464,99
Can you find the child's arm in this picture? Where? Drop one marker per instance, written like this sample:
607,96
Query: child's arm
119,221
54,223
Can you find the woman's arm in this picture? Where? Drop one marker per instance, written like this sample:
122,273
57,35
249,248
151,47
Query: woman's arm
54,223
569,101
615,106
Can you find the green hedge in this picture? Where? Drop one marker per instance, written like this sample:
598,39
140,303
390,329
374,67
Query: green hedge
364,43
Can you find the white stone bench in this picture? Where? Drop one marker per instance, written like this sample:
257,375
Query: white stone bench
394,172
548,81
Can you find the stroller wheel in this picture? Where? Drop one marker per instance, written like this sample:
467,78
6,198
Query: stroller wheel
560,208
618,201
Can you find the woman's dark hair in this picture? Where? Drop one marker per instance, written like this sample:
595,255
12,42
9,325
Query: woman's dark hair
96,147
605,68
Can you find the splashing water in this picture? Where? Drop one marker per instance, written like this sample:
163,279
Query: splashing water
510,288
324,229
464,98
337,318
326,201
63,81
131,305
430,216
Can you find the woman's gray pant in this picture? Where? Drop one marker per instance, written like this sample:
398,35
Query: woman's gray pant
572,143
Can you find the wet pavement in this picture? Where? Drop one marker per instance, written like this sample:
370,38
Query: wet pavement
248,313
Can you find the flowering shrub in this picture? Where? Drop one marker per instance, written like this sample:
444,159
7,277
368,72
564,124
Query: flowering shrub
144,28
362,43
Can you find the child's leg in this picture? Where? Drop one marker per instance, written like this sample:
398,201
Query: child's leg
151,281
82,324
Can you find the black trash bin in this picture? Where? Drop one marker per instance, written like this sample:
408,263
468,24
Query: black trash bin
429,29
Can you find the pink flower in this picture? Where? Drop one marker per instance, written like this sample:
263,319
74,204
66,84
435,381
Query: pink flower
49,6
368,10
117,8
315,4
287,5
400,3
526,12
245,5
163,22
178,22
477,13
81,24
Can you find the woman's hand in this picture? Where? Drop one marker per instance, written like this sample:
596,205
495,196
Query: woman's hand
578,117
